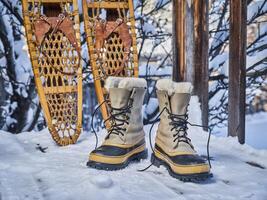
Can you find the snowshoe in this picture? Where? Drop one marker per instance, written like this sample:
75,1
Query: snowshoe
52,30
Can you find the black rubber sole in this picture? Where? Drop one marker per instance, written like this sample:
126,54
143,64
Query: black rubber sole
112,167
196,178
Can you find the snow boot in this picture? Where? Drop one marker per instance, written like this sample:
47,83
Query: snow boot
125,141
173,147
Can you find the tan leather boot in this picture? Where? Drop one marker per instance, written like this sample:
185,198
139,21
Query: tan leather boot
125,140
173,147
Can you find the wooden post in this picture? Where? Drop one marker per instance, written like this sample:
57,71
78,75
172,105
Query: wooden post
190,44
183,38
201,56
237,69
178,40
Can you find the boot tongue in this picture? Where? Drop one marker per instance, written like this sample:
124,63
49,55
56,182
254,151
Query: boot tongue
119,97
179,103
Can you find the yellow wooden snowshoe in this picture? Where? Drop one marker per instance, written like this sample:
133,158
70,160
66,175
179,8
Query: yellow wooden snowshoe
52,30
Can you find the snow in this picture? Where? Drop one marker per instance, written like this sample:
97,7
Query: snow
151,106
256,134
149,28
61,172
153,70
255,6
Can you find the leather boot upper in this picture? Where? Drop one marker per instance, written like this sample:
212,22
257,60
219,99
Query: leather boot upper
166,134
131,121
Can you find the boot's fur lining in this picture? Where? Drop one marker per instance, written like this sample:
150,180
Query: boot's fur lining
130,82
112,82
174,87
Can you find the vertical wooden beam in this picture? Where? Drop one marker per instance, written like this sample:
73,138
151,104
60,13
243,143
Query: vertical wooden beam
201,56
183,39
189,71
237,69
178,26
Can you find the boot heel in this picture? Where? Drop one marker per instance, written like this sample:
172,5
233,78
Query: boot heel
155,161
140,156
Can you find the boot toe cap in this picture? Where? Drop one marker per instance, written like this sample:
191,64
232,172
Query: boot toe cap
113,157
110,151
193,159
182,162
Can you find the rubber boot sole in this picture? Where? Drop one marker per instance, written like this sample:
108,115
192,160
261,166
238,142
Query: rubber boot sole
196,178
112,167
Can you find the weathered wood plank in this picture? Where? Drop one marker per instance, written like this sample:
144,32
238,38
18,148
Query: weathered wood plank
237,69
183,40
178,27
201,56
189,71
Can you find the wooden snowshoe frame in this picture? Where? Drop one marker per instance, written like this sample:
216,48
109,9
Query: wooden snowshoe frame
113,58
57,68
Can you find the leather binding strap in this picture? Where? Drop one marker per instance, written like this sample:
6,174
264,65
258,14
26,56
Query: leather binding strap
103,29
44,26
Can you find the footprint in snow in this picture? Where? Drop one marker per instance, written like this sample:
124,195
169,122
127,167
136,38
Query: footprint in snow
102,181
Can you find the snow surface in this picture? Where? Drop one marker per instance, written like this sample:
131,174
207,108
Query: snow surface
256,130
61,172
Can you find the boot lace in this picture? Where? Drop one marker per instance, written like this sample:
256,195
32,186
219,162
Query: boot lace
118,117
179,124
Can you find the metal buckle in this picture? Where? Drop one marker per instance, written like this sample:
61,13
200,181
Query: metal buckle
61,16
102,21
119,21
